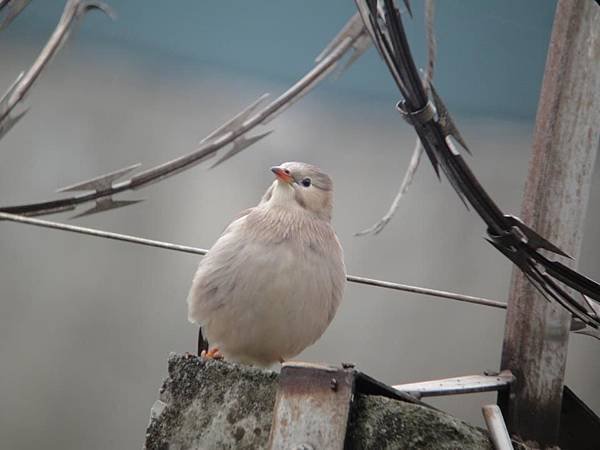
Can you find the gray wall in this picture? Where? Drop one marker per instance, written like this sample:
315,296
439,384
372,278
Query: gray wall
86,324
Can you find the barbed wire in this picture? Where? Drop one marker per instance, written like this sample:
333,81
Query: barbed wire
16,93
426,112
351,42
415,159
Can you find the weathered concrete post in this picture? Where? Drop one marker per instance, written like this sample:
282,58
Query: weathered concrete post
215,404
566,140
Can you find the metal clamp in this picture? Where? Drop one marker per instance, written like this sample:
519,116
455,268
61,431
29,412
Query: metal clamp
419,117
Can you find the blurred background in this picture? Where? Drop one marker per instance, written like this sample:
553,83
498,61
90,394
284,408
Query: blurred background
86,325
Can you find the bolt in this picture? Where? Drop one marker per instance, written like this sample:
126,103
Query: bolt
303,446
333,384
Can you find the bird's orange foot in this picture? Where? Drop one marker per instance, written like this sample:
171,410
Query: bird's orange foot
213,353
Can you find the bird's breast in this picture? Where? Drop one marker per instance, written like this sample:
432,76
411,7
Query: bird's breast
271,285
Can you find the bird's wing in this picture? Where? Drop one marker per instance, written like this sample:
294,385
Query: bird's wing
243,213
212,281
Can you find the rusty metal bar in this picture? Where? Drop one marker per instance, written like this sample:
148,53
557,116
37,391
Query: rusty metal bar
496,427
458,385
312,408
314,404
556,194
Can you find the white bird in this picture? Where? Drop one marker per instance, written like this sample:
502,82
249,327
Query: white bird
271,284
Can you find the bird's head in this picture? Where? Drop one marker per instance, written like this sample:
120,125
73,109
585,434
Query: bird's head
303,186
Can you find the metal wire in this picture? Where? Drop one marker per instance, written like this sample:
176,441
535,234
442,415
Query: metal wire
201,251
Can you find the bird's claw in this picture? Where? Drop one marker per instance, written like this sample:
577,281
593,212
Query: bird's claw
213,353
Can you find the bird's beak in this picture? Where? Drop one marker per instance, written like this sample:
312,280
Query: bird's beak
282,175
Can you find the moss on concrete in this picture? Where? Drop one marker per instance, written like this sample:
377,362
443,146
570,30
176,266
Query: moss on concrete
384,423
219,405
212,405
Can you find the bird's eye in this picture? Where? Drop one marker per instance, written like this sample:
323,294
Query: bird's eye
306,182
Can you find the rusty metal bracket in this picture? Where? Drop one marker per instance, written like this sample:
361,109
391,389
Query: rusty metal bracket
312,408
314,403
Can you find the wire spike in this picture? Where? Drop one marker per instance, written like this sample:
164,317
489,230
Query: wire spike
100,6
589,332
10,122
9,91
100,182
595,307
236,121
7,121
352,29
104,204
445,120
78,9
577,325
533,238
360,46
240,144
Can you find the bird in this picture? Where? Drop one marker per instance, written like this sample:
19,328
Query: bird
272,283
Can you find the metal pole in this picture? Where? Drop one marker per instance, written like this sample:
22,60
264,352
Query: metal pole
565,143
496,427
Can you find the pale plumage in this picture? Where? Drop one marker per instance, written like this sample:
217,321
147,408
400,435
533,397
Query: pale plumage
272,282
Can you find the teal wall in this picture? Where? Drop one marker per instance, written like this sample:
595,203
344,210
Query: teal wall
491,53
